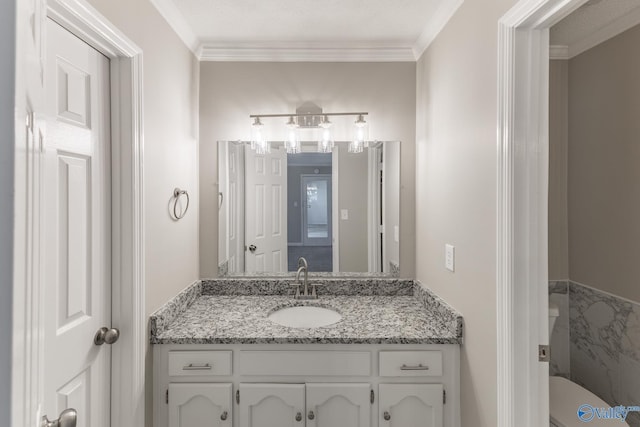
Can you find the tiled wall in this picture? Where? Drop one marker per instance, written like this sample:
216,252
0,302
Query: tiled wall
604,344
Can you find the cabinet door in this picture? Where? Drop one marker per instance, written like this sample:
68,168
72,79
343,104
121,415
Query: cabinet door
271,405
410,405
197,405
338,405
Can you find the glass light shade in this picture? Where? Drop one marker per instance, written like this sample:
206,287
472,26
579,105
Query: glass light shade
325,144
356,147
292,143
259,141
360,134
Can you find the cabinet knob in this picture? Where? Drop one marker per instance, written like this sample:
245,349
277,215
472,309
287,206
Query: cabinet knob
224,415
386,416
299,416
311,415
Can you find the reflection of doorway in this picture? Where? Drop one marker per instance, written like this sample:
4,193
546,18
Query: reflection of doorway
316,211
309,211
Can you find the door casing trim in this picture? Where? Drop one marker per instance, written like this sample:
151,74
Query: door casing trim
522,190
128,289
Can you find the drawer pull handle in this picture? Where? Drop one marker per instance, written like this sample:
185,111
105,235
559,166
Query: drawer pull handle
192,367
420,367
299,416
223,417
386,416
311,415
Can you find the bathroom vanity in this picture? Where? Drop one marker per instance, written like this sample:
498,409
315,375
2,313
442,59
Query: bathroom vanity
391,360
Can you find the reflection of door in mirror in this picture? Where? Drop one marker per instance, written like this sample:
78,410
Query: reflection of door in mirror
231,206
266,200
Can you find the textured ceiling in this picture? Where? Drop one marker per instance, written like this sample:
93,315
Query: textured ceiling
309,22
589,18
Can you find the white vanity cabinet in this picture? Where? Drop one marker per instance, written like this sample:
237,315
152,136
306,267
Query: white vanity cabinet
339,405
271,405
410,405
309,405
306,385
200,404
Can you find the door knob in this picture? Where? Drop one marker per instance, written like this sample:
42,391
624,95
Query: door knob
67,418
386,416
106,336
252,248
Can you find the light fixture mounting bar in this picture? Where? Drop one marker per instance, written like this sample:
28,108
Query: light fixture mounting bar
253,116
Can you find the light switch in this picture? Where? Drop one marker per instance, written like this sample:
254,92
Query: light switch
449,257
344,214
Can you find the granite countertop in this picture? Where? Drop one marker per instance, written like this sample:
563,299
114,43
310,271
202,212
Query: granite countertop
381,312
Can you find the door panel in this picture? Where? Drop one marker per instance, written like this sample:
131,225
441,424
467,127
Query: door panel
266,211
196,405
317,212
410,405
77,222
272,405
338,405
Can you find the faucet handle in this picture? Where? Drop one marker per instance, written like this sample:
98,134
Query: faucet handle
297,286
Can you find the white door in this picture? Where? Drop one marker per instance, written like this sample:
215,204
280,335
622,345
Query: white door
272,405
235,205
410,405
338,405
77,205
266,211
197,405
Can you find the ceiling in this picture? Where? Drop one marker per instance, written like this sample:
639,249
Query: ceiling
354,30
593,23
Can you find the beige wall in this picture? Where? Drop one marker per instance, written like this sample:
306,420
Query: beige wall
558,150
170,145
456,189
232,91
170,153
604,166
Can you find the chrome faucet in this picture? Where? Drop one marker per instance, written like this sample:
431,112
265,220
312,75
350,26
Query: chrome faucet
305,294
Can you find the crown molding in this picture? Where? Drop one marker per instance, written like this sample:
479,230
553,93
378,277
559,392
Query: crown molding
275,52
174,17
603,34
444,13
558,52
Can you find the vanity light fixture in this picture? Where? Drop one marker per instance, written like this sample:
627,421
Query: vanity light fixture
314,120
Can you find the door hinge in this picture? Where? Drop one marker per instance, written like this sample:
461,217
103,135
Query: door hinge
238,397
167,396
444,397
373,396
544,353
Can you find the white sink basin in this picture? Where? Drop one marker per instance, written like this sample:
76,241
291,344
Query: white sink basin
306,316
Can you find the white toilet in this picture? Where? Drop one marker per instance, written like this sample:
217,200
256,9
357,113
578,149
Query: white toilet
566,397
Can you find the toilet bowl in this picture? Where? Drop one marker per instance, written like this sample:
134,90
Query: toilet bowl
567,398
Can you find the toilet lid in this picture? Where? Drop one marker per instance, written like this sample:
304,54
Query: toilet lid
566,397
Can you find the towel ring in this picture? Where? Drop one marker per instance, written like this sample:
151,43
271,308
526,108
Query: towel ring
176,195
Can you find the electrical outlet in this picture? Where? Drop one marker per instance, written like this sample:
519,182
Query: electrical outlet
449,257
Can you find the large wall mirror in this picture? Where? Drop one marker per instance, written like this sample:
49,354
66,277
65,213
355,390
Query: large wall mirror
339,210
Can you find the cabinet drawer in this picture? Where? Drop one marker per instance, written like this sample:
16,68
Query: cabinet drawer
323,363
199,363
410,363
